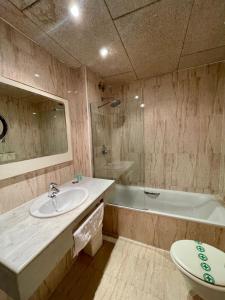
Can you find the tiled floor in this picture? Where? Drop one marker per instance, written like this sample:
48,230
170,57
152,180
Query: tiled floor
126,270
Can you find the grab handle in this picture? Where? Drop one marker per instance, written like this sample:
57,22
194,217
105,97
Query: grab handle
152,194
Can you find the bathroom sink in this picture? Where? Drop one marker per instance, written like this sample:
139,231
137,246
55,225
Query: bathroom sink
65,201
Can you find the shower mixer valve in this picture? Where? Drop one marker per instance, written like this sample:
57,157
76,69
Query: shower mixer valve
104,150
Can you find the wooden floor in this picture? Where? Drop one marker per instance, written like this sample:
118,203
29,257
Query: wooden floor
124,271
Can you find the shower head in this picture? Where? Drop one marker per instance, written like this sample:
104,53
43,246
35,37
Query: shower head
113,103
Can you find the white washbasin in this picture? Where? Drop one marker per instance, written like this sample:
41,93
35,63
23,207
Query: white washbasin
65,201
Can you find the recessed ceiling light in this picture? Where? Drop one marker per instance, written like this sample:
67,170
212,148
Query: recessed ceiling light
69,92
37,75
142,105
34,113
136,97
104,52
75,11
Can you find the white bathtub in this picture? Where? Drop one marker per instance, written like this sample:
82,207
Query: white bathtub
203,208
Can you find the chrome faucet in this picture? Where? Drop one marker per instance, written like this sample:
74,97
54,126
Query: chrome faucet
53,190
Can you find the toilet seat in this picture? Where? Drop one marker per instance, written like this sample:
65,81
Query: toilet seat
200,261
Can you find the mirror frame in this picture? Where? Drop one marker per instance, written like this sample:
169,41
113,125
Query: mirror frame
21,167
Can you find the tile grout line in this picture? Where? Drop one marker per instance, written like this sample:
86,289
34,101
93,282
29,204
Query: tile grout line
205,50
30,5
120,39
185,35
122,73
135,10
182,69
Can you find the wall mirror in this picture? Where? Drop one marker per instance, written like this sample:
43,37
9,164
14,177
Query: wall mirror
34,129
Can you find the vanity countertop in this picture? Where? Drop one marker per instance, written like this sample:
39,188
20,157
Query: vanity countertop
23,237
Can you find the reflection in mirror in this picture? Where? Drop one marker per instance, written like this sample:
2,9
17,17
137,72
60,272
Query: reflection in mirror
3,128
36,125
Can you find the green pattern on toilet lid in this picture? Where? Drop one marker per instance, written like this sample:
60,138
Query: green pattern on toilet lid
202,256
205,266
200,248
208,278
205,262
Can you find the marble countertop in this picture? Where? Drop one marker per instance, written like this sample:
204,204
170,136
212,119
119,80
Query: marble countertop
23,237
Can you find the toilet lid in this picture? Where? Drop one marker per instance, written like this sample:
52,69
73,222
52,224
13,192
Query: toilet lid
201,260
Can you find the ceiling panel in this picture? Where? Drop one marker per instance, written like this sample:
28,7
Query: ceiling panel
152,31
202,58
154,36
120,7
16,18
84,36
206,28
21,4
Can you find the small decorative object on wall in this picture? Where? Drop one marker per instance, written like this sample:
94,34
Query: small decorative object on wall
3,128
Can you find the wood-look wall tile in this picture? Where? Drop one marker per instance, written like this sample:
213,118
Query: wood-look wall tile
208,172
157,230
166,99
184,117
173,132
211,92
155,135
211,134
189,142
183,121
185,171
187,93
223,132
155,169
222,177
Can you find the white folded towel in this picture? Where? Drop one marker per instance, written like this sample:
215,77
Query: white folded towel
88,229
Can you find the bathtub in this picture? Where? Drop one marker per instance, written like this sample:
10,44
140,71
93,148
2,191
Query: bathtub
197,207
160,217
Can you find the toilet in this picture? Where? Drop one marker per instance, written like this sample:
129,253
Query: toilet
203,267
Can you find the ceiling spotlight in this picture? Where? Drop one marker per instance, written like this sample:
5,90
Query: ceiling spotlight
37,75
75,11
69,92
104,52
142,105
136,97
34,113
